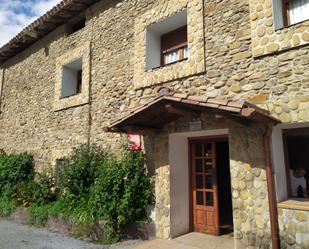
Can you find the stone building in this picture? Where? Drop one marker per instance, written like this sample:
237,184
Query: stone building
219,91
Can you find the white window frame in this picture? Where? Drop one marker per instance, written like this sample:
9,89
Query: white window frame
83,97
154,33
69,83
278,158
194,65
280,17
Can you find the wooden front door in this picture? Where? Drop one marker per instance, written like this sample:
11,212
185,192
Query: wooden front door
204,187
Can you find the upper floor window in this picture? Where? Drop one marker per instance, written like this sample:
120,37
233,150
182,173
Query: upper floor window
295,11
174,46
289,12
167,41
71,79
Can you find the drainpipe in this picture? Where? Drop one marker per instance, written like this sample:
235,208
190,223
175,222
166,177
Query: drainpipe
1,85
273,211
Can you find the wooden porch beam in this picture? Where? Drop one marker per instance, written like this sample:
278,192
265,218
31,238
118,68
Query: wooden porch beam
133,129
141,130
238,120
181,112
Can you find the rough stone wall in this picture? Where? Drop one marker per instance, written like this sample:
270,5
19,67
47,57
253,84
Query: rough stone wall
265,39
28,120
156,150
112,66
249,188
294,228
277,82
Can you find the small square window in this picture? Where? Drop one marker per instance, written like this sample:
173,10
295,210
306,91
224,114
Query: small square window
71,79
167,41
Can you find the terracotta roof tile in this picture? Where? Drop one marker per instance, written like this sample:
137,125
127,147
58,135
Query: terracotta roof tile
189,101
209,105
180,95
198,98
238,104
172,98
230,109
241,108
217,101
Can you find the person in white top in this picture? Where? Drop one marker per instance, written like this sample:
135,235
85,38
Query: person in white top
298,183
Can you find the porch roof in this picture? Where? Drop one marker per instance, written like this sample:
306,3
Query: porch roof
153,115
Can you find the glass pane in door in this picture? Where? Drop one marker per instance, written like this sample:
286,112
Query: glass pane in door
208,166
199,198
199,150
209,199
208,181
199,182
198,165
207,150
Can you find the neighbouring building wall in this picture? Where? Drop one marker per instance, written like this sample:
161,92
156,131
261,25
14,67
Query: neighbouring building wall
277,81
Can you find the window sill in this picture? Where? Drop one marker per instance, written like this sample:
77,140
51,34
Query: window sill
165,65
295,203
67,97
292,25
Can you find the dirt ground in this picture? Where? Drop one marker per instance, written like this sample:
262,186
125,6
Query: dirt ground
17,236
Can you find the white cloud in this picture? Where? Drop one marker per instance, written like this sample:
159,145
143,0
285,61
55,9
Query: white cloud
15,15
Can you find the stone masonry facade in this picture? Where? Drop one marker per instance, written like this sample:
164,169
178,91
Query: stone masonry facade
265,38
233,57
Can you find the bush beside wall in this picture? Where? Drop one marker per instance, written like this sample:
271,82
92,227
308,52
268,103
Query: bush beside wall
98,193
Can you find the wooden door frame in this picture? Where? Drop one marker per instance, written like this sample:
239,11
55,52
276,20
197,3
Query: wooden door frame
210,138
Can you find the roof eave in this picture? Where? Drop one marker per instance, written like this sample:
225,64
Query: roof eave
239,110
58,15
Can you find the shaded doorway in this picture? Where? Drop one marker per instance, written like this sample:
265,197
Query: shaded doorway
224,187
211,186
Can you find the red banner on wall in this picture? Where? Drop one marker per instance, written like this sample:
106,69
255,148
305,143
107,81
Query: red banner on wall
135,141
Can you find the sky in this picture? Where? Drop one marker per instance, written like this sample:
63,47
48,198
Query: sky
15,15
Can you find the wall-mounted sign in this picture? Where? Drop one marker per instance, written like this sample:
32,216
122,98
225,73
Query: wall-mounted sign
135,141
195,125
